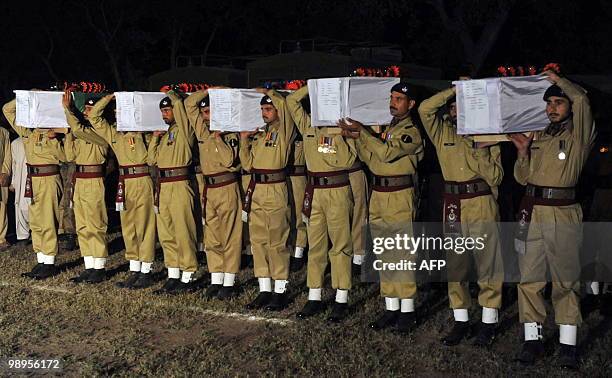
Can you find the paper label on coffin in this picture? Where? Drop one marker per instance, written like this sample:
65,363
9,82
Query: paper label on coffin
40,109
139,111
501,105
235,110
365,99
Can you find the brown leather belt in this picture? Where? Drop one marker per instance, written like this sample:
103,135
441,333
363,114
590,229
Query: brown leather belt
468,187
36,170
169,173
549,193
220,179
94,168
391,183
357,166
132,170
296,170
268,176
330,179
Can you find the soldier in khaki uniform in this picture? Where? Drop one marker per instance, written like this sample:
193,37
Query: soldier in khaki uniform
328,206
134,199
221,201
44,188
5,181
392,158
472,171
171,152
550,223
89,152
266,201
296,170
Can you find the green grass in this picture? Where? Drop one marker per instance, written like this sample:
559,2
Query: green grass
102,330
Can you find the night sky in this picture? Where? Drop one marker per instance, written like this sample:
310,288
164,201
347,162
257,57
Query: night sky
61,40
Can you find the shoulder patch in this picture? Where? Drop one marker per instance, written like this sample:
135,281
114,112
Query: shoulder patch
406,138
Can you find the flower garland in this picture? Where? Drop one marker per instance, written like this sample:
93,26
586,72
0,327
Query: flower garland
391,71
507,71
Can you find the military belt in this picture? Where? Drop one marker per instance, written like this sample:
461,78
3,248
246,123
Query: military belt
468,187
43,169
220,179
550,193
127,170
268,176
392,181
174,172
97,168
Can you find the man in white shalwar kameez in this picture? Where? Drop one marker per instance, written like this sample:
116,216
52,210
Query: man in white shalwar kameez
22,222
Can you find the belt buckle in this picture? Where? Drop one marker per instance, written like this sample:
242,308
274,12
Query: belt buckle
132,170
35,170
385,182
548,193
325,180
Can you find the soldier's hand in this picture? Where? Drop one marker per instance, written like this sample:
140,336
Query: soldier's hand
12,188
218,134
350,124
67,99
158,133
350,134
261,90
110,96
552,76
51,134
485,144
521,142
5,179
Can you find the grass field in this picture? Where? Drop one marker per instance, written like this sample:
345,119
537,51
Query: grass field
102,330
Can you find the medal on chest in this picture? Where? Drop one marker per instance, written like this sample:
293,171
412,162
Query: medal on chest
132,143
385,136
326,145
562,153
270,140
171,138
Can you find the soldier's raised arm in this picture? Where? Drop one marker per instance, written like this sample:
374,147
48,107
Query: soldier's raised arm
180,114
192,107
584,131
10,112
434,125
294,105
96,117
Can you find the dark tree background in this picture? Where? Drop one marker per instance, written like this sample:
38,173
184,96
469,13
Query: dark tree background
121,43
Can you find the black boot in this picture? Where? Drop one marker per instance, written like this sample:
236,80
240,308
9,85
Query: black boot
486,334
227,292
96,276
34,271
127,284
530,352
47,271
406,322
338,313
212,291
568,357
169,287
388,319
296,264
82,277
311,308
278,302
459,332
262,300
143,281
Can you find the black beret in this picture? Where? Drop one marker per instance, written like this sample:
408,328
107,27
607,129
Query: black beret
400,88
165,103
554,90
91,101
265,100
204,102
